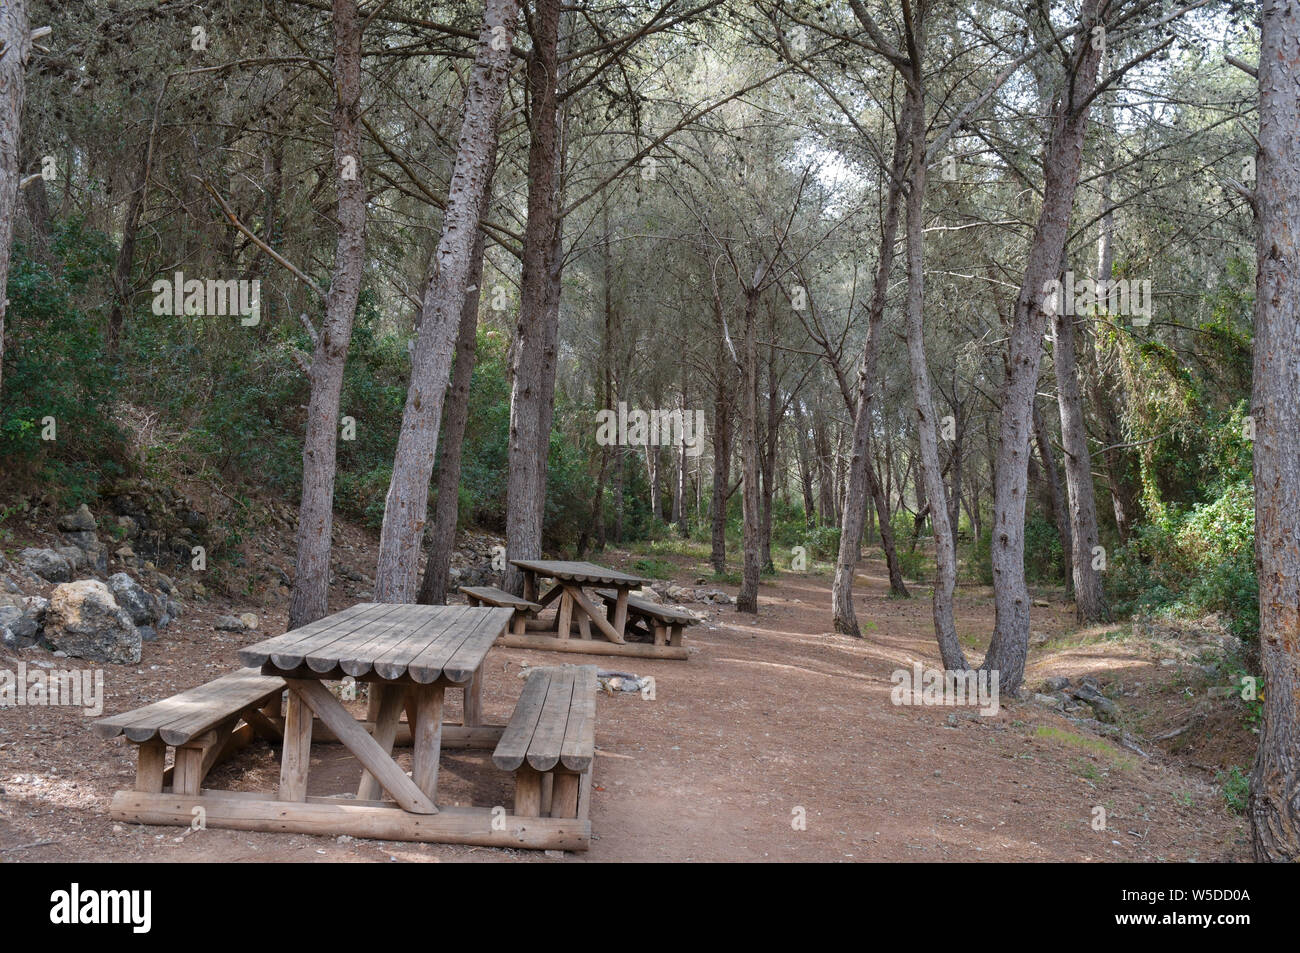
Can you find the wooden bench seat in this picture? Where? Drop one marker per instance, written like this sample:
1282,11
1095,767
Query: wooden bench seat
663,623
202,724
550,742
492,596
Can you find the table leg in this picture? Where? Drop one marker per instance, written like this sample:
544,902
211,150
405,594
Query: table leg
474,700
388,710
564,615
620,613
426,738
296,755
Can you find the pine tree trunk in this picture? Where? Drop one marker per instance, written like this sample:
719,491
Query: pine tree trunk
442,536
751,492
309,598
1009,647
861,478
533,373
406,507
926,434
16,37
1275,781
721,449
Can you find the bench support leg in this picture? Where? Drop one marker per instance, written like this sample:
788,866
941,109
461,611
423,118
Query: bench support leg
548,787
528,792
149,766
187,774
564,796
297,749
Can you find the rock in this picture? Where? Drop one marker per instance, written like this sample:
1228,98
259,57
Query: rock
647,593
131,596
229,623
9,615
127,527
124,552
26,630
79,520
1056,683
8,639
1105,709
85,621
148,633
47,564
83,540
249,619
1050,701
1038,638
75,556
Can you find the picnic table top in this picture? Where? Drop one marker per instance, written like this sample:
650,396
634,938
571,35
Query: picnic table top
422,643
580,572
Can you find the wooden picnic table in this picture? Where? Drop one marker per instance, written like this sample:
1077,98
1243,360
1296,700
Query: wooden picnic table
602,629
575,606
409,655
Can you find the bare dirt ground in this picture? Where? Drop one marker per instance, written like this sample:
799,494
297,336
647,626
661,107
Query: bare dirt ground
772,720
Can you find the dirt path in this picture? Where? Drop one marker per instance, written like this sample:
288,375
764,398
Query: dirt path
772,720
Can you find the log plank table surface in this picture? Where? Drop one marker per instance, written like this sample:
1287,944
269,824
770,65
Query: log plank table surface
577,608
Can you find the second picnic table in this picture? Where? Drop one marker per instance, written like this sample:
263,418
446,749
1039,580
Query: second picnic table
623,612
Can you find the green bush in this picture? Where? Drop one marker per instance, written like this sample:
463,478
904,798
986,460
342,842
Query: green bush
823,542
1189,564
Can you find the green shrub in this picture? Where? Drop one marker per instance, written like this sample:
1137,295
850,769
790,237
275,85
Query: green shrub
1235,786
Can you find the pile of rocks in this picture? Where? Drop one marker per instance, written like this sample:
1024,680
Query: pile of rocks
680,594
103,620
89,619
1057,692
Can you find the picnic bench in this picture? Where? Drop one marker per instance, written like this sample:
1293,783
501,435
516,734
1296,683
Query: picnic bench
408,655
601,630
492,596
204,726
549,742
663,624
